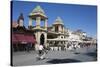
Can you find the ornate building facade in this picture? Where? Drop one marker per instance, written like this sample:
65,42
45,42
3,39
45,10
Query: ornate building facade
55,35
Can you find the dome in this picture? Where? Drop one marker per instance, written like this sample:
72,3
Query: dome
58,21
37,11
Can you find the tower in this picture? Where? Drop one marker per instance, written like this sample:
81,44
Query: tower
21,20
58,25
40,32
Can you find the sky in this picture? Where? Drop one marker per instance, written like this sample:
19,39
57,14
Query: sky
74,16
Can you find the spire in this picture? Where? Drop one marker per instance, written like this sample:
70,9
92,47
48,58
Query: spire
20,19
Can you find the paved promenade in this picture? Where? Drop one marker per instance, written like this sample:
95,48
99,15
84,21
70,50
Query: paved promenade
55,57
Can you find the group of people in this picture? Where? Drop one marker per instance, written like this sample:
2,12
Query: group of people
75,45
42,50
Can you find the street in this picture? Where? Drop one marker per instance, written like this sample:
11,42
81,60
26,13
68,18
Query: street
55,57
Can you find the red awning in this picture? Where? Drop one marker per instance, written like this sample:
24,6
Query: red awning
14,40
22,38
30,38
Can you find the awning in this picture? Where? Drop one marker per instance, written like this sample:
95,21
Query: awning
14,40
30,38
22,38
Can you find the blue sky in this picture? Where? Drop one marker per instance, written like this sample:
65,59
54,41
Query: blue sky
74,16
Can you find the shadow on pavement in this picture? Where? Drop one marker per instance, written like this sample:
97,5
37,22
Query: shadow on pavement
92,54
76,53
56,61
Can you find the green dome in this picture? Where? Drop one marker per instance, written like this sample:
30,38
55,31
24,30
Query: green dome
58,21
37,11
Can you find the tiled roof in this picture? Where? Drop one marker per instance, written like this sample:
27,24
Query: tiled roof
14,24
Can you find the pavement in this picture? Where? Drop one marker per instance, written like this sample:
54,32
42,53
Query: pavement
85,54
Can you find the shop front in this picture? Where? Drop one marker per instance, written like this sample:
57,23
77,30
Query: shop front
22,42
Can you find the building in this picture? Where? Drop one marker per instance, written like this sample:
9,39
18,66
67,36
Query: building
21,37
55,35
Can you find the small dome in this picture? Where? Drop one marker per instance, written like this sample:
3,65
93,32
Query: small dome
37,11
58,21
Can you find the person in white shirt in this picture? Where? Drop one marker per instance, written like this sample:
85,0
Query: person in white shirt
41,53
40,47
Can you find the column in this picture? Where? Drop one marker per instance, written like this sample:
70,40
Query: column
38,20
38,37
37,40
30,21
60,28
53,29
45,42
63,30
45,23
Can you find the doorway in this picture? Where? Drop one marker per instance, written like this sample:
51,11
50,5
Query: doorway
42,39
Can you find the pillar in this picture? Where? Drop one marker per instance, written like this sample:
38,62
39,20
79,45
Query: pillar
63,30
45,23
37,34
38,37
38,20
53,29
30,21
60,28
46,39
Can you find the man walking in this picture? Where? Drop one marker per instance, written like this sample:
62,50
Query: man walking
40,47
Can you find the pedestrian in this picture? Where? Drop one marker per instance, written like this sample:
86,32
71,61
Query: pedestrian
41,53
